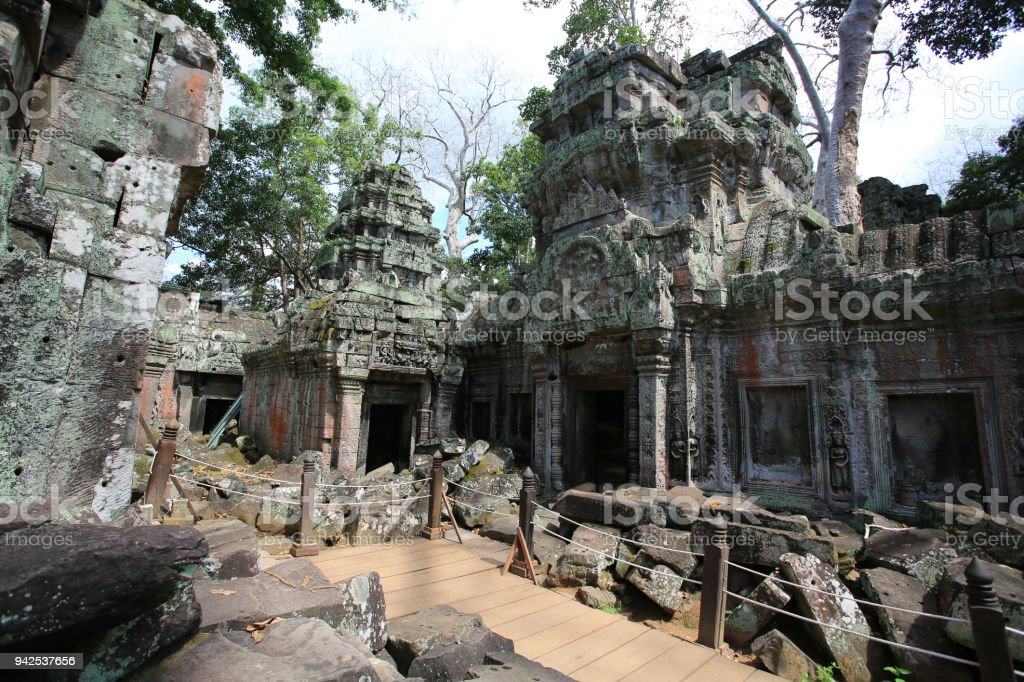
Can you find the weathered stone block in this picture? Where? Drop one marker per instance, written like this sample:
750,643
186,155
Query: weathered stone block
920,552
760,546
657,582
748,619
1009,588
669,547
587,559
778,653
441,643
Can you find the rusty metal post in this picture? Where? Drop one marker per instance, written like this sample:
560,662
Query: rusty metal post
988,625
156,488
306,544
711,629
433,531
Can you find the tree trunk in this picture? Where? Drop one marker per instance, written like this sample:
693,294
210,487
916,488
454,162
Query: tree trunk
839,174
456,245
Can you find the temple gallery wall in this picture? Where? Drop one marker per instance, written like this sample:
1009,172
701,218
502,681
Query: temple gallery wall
697,354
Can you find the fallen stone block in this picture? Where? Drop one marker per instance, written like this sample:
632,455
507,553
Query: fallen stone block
502,529
763,546
290,649
833,605
472,455
595,597
441,643
618,509
473,510
892,588
920,552
506,666
665,546
658,583
1009,588
779,655
117,595
587,560
292,589
234,552
738,509
862,518
748,619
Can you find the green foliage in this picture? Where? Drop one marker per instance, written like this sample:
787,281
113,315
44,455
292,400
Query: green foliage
536,101
272,188
899,674
282,33
956,30
824,673
989,178
593,23
608,608
500,187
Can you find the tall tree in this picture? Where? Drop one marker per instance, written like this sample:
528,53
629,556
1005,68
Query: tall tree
593,23
448,112
283,33
271,191
503,220
956,30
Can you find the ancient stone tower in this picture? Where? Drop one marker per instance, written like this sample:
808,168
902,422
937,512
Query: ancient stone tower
113,106
361,370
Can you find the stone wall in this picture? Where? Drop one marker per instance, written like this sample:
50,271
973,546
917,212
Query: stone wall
97,167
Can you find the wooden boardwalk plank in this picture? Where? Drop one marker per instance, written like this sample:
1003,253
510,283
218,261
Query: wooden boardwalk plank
546,626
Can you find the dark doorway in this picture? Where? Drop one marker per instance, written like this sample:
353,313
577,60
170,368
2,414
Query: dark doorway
214,411
481,419
934,441
599,448
389,437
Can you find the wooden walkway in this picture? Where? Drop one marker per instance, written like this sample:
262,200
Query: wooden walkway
546,626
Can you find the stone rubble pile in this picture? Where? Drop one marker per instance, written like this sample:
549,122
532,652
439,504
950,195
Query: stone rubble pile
621,553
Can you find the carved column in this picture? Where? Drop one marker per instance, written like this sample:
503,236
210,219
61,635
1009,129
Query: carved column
557,403
633,434
541,443
351,393
653,364
444,404
424,416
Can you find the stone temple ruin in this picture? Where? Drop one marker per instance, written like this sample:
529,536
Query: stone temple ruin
694,328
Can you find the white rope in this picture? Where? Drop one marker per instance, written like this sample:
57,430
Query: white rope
373,487
850,598
619,537
486,511
235,492
338,505
869,526
854,632
1015,631
237,473
480,492
616,559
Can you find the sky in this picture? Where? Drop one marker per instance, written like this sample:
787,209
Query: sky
919,135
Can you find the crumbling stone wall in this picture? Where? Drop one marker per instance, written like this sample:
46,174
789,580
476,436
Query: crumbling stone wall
119,104
685,229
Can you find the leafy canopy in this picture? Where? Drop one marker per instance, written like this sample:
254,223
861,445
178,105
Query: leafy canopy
593,23
281,32
273,186
989,178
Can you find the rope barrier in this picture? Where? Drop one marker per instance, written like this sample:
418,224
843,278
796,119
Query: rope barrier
850,598
234,492
1015,631
374,487
486,511
471,490
872,638
336,505
615,559
618,537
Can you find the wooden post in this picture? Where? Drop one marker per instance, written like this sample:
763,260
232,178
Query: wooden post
523,565
711,629
433,531
307,544
156,488
988,625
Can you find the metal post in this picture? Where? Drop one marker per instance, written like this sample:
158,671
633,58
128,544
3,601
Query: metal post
156,488
306,544
433,531
711,629
988,625
527,496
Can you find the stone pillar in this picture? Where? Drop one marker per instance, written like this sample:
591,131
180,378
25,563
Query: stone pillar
557,396
633,430
424,416
653,363
349,423
541,455
444,405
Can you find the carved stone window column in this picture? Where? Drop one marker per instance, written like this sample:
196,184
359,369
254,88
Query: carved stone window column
351,394
653,362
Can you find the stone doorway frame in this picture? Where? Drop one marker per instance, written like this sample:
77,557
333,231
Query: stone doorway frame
587,383
989,446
